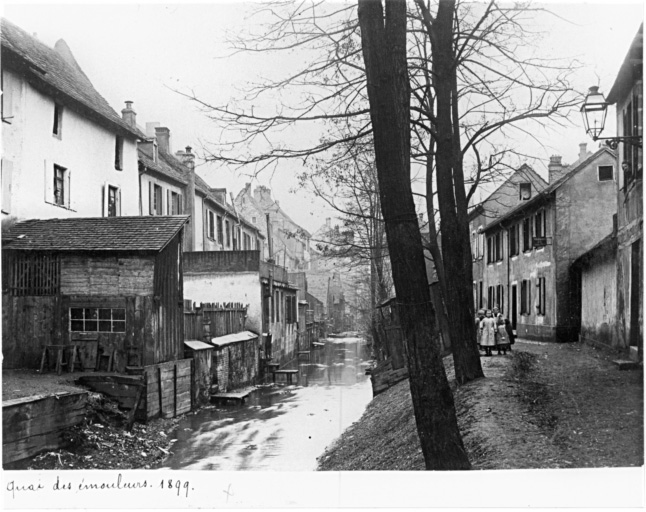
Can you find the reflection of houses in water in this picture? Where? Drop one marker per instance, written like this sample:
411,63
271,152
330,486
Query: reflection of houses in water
340,361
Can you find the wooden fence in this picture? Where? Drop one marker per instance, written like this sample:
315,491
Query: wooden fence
213,319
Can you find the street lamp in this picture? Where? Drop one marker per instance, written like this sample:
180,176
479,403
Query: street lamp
594,110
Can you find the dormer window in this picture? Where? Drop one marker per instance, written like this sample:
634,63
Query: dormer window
58,120
525,191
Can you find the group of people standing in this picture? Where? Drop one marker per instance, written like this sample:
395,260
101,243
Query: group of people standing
494,331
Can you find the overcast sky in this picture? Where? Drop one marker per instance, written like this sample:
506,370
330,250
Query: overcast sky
140,52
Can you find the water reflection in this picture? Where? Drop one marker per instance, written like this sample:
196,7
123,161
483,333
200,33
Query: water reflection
281,427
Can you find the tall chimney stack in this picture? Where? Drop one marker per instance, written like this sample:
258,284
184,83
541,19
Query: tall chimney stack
555,167
583,151
129,115
188,159
163,139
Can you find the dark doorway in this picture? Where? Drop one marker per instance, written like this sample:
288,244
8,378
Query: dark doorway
514,306
635,294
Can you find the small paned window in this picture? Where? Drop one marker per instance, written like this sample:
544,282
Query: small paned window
606,173
59,185
58,120
113,201
97,320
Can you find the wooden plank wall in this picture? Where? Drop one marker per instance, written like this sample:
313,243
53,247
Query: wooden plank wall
28,324
168,388
167,324
101,274
35,424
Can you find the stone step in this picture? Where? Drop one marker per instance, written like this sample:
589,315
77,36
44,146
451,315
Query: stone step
626,364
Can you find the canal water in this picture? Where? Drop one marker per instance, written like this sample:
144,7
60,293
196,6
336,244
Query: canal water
281,427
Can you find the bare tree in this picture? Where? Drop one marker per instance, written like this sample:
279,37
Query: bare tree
383,36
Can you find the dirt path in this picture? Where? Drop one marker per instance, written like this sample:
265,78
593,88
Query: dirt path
545,405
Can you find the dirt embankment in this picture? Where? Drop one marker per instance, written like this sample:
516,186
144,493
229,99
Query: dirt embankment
544,405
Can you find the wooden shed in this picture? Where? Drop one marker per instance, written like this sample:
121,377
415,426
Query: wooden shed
111,286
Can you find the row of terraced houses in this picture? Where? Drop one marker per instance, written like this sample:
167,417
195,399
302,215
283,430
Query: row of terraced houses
111,240
562,257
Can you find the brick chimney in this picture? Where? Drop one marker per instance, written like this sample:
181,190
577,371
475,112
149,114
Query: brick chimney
555,168
129,115
583,151
188,159
163,139
262,194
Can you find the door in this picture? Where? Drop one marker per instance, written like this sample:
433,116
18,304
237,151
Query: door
514,306
635,295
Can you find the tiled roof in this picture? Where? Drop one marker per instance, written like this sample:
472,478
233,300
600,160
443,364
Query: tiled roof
162,167
95,234
50,68
173,168
552,187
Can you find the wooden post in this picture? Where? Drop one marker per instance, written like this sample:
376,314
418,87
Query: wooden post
161,396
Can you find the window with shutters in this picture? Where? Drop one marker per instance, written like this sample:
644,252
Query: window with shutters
156,199
220,231
514,242
176,203
111,201
59,185
540,307
527,234
525,297
211,225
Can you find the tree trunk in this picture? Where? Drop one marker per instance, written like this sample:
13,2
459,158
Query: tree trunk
456,251
384,53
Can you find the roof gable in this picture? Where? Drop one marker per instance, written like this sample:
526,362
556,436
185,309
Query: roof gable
507,195
56,70
95,234
552,187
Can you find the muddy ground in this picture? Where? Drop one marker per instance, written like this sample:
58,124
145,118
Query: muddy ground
544,405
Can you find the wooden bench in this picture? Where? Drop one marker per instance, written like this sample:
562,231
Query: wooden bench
289,374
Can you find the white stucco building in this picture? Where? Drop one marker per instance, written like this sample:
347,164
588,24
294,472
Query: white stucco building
66,152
